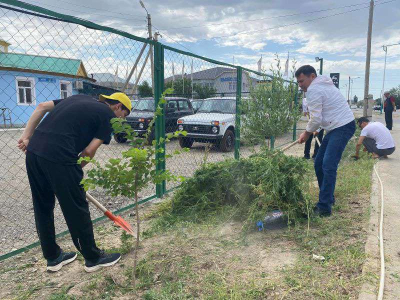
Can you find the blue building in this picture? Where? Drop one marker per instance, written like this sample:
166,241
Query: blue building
27,80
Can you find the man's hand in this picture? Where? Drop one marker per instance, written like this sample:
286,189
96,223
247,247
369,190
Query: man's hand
304,137
23,144
355,157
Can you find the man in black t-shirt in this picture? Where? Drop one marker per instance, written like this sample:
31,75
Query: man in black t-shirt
74,127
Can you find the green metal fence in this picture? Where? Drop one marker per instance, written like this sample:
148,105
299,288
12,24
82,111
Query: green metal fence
47,56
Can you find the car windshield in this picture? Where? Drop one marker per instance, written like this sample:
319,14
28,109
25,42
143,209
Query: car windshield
196,104
145,105
223,106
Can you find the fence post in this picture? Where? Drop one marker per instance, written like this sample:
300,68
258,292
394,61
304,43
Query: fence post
160,121
239,72
296,93
272,144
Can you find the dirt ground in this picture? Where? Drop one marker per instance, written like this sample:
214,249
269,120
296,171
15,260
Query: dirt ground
220,247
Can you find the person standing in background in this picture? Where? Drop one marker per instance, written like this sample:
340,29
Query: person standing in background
389,106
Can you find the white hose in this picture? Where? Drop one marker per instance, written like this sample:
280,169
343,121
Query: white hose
382,253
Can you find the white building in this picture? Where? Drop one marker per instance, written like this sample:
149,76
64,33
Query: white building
221,78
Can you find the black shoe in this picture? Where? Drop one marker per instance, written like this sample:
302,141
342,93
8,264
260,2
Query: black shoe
321,213
63,259
306,157
105,260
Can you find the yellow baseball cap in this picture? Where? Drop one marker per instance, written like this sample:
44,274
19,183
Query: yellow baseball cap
120,97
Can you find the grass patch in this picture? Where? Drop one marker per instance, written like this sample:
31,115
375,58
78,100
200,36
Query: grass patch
205,253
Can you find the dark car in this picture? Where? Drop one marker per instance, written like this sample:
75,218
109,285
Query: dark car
143,112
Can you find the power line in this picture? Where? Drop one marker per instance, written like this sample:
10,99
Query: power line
90,7
86,13
266,18
296,23
174,40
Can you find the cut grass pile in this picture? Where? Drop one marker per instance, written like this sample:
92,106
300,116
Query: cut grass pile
252,186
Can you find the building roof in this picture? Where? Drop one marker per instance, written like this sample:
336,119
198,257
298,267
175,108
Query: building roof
43,64
208,74
107,77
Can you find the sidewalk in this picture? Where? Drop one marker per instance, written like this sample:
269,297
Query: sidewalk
389,172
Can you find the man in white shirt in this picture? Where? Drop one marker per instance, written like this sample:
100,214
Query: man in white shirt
330,111
376,139
319,134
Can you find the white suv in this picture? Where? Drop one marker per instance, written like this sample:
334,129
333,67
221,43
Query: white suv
214,122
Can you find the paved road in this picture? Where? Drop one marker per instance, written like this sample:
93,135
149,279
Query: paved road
388,170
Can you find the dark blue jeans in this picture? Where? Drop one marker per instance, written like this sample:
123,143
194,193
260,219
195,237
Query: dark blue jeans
327,162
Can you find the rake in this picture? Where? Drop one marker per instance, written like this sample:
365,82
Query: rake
119,221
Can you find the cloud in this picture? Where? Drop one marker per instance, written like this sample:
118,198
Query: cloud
340,39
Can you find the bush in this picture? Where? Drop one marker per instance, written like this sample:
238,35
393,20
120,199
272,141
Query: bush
253,186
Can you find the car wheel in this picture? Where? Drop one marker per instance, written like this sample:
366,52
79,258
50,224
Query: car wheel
185,142
228,142
120,138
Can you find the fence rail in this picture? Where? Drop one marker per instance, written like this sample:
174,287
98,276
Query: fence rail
46,55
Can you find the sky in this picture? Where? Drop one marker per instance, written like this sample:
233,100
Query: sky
240,32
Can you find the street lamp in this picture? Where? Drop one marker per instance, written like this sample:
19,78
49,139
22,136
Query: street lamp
142,4
384,71
321,62
350,86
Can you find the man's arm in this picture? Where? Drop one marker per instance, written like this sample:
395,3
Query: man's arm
90,150
37,116
358,146
314,101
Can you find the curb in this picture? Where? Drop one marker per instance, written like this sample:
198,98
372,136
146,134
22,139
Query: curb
370,270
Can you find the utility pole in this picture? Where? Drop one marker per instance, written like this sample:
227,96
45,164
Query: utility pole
384,75
151,46
348,94
321,63
151,51
368,60
385,48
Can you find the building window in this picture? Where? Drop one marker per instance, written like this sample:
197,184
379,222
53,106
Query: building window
26,91
232,85
65,89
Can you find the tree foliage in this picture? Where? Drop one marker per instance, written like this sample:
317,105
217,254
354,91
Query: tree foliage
204,91
145,90
270,110
200,91
395,92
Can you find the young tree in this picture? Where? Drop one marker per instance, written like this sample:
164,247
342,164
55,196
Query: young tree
270,110
145,89
179,89
395,92
204,91
128,175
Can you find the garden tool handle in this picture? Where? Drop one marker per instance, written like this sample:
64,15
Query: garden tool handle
318,142
290,145
95,202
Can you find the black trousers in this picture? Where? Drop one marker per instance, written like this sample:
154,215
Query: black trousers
47,180
389,119
307,146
